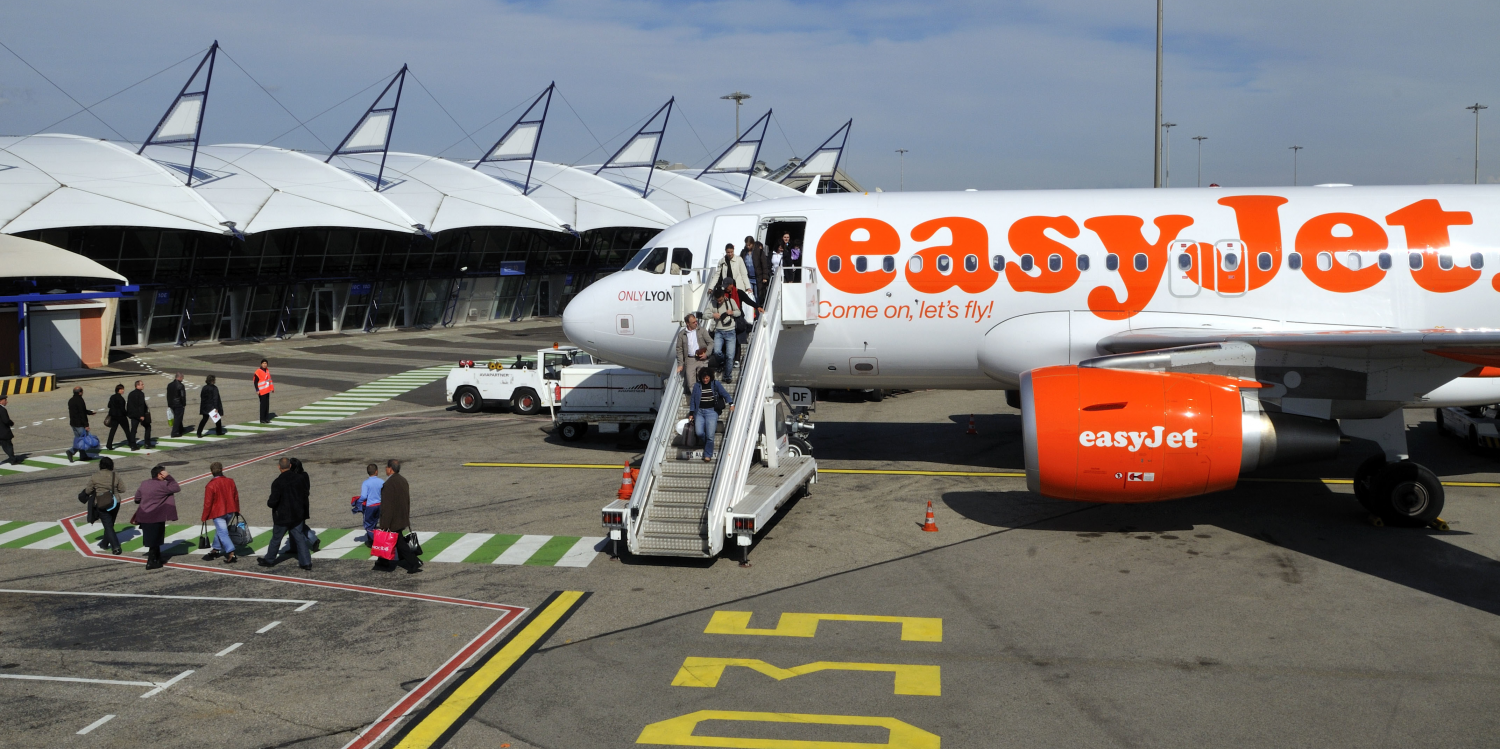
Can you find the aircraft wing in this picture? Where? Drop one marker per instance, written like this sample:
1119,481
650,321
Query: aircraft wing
1353,373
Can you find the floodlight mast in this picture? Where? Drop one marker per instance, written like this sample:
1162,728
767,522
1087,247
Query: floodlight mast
1200,139
1156,180
1294,150
1475,109
901,185
739,98
1166,171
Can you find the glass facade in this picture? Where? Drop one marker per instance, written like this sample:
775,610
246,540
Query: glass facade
200,286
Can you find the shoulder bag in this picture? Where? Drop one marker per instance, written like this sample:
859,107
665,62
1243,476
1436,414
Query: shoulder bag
239,532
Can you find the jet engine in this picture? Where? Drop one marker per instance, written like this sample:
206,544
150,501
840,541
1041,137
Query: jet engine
1120,435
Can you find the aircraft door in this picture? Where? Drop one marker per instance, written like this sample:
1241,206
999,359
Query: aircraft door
1232,269
1182,259
728,230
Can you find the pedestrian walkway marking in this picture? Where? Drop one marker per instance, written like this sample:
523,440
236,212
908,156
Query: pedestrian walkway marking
334,407
336,543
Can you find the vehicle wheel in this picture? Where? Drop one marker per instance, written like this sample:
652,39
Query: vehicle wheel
875,396
468,401
573,431
643,433
798,448
1363,478
525,402
1406,493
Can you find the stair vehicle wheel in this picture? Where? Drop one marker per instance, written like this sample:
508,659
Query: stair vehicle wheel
797,447
1406,494
525,402
572,431
1364,477
643,433
467,399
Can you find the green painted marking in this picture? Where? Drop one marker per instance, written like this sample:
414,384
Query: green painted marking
10,526
436,542
260,540
31,539
358,552
552,551
489,550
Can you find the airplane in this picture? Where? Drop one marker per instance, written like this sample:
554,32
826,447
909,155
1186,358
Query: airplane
1159,343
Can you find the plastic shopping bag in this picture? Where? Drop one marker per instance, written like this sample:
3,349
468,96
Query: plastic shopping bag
384,545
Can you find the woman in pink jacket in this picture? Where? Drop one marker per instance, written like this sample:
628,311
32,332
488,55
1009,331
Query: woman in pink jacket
221,501
156,499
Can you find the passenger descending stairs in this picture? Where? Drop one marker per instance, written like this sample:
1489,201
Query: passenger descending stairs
684,506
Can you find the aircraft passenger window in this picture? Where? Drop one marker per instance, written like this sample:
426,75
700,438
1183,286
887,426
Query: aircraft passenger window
682,260
1184,261
971,263
1263,261
1141,261
1294,261
888,264
861,264
1353,261
1476,261
1325,261
1231,261
998,262
1026,263
1383,260
1414,259
1083,262
1445,261
1111,262
945,264
914,265
834,264
1054,262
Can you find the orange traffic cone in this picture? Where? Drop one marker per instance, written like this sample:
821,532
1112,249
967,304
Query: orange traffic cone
972,430
931,525
627,483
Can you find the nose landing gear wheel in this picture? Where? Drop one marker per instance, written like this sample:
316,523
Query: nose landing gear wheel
1404,494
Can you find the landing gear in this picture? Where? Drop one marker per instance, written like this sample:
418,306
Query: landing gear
1402,493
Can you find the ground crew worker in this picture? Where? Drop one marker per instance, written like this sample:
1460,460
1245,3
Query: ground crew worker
176,403
264,388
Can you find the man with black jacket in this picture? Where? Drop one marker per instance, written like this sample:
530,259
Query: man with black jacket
176,403
78,418
137,414
116,418
208,402
289,509
6,435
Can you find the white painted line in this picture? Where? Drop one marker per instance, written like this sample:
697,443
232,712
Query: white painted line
50,459
581,554
167,683
204,438
304,606
267,628
51,542
29,677
522,550
311,417
340,546
304,603
228,650
95,724
252,428
463,547
25,531
20,467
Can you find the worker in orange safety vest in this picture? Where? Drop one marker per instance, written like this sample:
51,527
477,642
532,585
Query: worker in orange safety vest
263,388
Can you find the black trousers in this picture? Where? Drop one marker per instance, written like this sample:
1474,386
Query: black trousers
10,450
107,519
206,420
177,427
109,443
265,408
132,425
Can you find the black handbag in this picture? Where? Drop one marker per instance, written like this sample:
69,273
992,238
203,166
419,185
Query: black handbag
203,542
239,532
413,544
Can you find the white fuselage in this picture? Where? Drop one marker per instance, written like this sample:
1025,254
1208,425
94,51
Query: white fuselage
941,316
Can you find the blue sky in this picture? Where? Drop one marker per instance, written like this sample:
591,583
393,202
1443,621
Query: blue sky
989,95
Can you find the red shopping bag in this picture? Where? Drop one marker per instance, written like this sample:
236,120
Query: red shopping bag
385,544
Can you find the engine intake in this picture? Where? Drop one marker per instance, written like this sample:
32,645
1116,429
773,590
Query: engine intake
1119,435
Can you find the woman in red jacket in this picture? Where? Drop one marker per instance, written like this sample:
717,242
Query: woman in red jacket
221,501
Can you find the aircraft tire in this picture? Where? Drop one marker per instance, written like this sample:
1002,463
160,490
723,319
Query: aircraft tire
1406,494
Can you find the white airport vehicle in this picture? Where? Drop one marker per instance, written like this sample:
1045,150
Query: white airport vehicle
1475,425
614,399
525,384
1159,343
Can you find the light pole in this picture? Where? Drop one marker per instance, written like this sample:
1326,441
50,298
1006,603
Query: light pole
739,98
1156,154
1166,171
1200,139
1295,149
1475,109
902,187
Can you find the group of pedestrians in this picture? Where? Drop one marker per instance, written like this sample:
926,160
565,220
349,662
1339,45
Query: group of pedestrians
386,506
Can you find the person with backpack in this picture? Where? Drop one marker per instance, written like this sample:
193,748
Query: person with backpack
114,418
708,400
156,500
723,319
78,419
221,502
208,402
730,272
105,488
288,511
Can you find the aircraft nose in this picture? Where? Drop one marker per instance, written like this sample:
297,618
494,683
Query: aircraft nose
581,318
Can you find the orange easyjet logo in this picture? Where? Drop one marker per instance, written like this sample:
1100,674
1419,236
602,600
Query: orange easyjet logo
856,256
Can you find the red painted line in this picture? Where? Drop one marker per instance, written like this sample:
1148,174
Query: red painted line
408,704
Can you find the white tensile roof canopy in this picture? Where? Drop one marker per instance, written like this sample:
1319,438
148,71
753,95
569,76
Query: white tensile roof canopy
26,258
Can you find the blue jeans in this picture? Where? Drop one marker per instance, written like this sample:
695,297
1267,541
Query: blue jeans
222,541
705,421
724,343
297,540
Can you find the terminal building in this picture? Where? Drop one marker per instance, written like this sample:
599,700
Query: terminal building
232,242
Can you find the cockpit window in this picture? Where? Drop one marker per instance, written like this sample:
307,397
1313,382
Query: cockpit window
639,261
682,260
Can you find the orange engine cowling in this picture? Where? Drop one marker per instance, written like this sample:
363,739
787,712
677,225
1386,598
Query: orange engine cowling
1119,435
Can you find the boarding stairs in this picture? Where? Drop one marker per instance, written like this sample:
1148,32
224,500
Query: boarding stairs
683,506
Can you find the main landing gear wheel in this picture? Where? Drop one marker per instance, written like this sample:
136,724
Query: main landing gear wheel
468,401
525,402
1402,494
